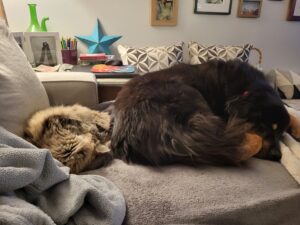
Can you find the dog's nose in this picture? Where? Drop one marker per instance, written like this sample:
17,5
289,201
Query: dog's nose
270,150
274,154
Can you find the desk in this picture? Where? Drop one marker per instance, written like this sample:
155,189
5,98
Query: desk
109,84
108,88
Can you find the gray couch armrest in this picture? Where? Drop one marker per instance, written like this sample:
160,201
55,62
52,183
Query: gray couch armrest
68,88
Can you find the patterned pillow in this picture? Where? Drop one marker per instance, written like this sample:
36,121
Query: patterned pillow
149,59
287,83
202,53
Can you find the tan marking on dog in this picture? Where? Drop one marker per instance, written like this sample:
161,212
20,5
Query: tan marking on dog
253,145
295,126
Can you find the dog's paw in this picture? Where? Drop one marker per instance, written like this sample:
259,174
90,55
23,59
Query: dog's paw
295,127
253,144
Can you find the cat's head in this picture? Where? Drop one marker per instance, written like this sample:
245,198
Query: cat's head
77,152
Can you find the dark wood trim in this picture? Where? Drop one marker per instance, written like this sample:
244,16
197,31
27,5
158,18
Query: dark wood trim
291,9
108,93
212,13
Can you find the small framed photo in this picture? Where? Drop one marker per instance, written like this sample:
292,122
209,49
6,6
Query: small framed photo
43,48
19,37
249,8
294,10
164,12
222,7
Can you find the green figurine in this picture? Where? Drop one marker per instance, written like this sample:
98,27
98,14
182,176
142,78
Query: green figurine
34,23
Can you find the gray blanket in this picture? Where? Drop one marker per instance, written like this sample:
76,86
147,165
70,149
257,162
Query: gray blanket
35,189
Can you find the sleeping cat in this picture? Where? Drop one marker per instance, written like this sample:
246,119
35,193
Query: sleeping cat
75,135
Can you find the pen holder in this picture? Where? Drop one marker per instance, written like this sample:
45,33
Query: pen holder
69,56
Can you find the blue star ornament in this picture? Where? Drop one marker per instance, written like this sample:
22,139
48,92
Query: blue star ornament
98,42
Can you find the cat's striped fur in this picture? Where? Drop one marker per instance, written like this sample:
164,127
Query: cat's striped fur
75,135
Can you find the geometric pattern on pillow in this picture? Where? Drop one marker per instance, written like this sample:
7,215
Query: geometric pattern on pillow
287,83
150,59
202,53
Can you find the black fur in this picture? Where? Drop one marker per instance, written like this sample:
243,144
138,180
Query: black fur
196,114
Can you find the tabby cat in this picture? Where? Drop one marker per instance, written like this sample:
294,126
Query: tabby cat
75,135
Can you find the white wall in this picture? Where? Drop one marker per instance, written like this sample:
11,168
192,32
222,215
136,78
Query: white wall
277,38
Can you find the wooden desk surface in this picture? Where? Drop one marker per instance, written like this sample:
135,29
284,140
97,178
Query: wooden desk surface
109,84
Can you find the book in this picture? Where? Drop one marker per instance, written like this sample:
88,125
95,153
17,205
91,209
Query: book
93,57
102,68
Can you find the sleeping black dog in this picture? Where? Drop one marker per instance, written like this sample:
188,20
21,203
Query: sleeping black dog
216,113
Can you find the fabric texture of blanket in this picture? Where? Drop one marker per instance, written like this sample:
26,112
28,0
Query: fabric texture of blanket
37,189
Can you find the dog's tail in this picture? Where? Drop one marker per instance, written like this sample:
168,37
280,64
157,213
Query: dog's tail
210,140
198,139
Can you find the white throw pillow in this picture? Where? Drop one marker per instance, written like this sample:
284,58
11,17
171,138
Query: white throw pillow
202,53
149,59
287,83
21,93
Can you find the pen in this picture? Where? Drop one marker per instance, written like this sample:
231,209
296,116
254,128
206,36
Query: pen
68,43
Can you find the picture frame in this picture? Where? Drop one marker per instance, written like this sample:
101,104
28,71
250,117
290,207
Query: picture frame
222,7
164,12
43,48
19,37
294,10
2,11
249,8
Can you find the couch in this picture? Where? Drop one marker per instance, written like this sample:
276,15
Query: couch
257,192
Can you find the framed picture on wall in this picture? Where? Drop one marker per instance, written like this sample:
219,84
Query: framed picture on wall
294,10
164,12
222,7
43,48
249,8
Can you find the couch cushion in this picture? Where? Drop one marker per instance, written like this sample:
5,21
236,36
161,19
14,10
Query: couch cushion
293,103
202,53
178,194
149,59
21,93
80,87
287,83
